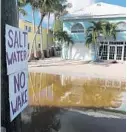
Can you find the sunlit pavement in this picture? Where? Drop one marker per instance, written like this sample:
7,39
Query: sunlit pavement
79,68
73,121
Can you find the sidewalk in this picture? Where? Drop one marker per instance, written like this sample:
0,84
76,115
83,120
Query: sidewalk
79,68
54,61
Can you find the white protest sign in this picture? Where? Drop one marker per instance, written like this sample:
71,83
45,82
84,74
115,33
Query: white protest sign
16,49
17,69
18,92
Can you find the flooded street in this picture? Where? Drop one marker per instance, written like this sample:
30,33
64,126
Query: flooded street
74,104
66,91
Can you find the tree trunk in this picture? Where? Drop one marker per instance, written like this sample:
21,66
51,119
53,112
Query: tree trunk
54,25
8,16
35,45
54,31
42,17
41,38
97,51
48,33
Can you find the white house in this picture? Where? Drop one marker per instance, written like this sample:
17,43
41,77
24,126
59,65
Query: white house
77,22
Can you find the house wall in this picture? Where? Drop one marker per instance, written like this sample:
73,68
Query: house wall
79,51
22,25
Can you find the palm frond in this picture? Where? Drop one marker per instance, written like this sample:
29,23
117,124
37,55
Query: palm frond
22,3
22,11
63,36
89,40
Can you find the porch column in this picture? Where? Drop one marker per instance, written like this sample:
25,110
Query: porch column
108,51
122,58
115,52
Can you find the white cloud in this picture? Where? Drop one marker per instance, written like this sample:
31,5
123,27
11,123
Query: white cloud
78,4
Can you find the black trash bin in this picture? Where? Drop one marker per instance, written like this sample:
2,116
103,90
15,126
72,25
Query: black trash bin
52,51
45,53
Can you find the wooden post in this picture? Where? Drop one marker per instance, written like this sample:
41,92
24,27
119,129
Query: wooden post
8,16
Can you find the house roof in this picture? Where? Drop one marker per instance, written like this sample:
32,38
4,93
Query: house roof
98,10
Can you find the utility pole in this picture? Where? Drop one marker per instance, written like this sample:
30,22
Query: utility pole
8,16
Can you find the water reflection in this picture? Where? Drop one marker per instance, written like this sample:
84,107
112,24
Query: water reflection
67,91
49,93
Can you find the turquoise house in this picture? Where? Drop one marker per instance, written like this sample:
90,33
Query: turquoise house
77,22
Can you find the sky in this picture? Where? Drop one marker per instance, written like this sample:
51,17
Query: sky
76,4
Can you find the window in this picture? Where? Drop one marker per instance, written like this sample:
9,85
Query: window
121,27
124,58
116,43
115,50
26,27
103,52
104,42
77,28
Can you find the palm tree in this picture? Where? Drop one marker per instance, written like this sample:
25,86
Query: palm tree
22,11
34,8
41,38
64,39
34,28
97,30
48,33
109,31
58,10
92,35
43,6
21,4
60,36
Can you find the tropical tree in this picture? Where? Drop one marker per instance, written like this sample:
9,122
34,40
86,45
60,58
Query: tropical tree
92,35
109,32
58,10
43,7
22,11
34,28
41,38
62,36
63,39
21,4
98,30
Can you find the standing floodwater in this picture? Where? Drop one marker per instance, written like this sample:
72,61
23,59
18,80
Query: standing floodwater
90,99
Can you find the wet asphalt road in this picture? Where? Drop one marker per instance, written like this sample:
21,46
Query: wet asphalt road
77,122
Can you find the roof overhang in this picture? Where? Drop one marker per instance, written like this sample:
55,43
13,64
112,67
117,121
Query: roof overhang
76,17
